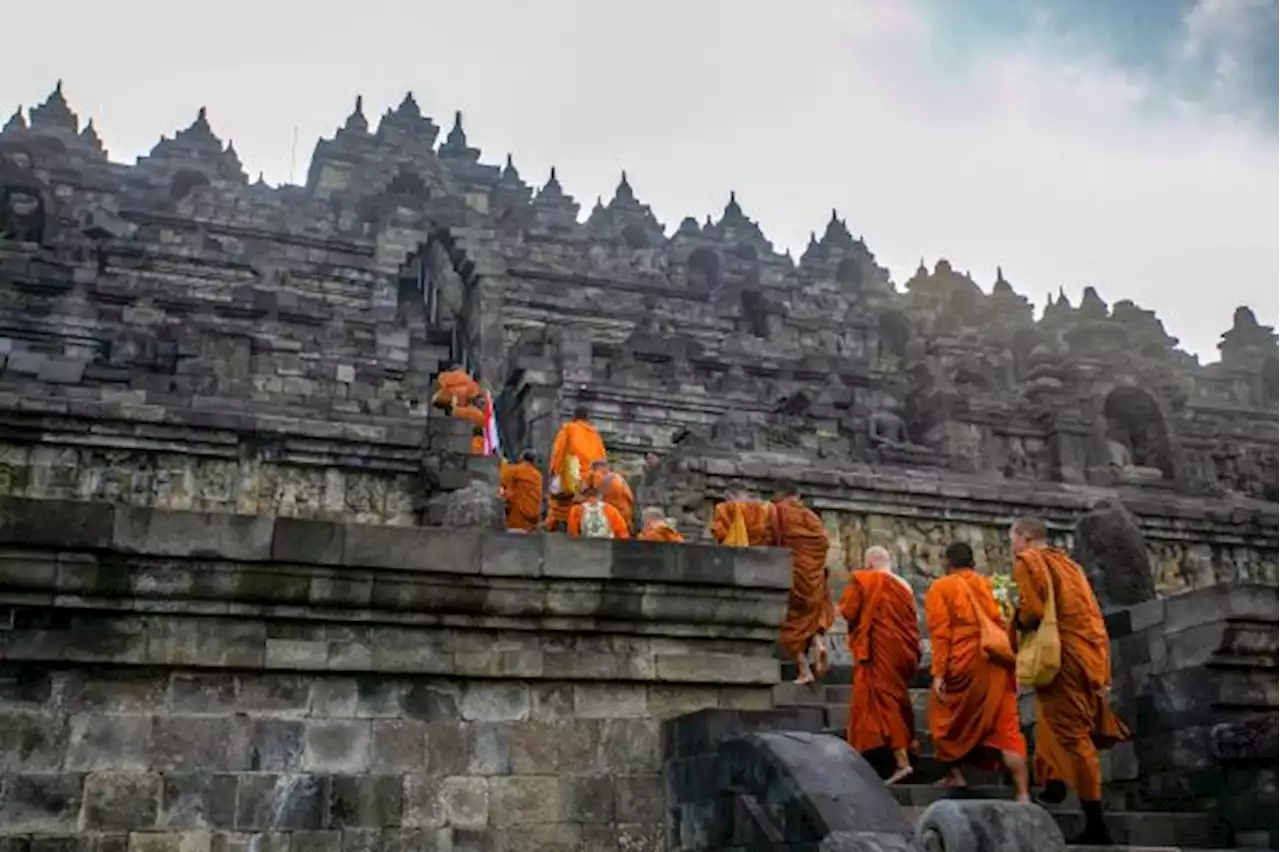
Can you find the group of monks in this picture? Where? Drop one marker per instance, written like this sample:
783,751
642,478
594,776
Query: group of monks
972,711
973,715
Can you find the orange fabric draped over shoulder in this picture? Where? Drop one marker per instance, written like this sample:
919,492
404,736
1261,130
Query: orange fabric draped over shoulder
581,440
558,508
619,526
756,514
660,532
884,640
455,386
979,709
616,492
1073,714
522,489
810,612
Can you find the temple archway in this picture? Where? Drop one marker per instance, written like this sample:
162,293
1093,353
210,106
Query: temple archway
635,237
894,332
849,274
703,268
1136,422
185,182
755,309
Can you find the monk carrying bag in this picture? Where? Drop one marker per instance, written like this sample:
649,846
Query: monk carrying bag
737,535
995,642
594,522
1040,650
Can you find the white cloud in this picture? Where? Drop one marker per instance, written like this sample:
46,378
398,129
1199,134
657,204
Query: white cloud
1058,172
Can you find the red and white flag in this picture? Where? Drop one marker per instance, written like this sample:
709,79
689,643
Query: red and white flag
491,446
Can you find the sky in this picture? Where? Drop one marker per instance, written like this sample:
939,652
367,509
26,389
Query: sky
1130,145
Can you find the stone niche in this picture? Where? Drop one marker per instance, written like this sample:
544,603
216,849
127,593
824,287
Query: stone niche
184,680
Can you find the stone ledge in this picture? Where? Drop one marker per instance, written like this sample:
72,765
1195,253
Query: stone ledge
126,530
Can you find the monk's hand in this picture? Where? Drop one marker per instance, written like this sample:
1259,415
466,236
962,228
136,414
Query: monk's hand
939,688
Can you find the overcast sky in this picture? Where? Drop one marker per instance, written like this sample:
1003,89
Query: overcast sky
1127,144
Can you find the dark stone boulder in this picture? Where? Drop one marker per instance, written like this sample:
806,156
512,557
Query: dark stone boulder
1110,547
974,825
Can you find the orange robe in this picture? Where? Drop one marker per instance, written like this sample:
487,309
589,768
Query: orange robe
978,711
558,508
1073,715
455,387
616,492
659,531
580,439
476,418
522,489
757,515
619,526
884,640
810,612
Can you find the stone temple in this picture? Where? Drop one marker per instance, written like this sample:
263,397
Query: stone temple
250,602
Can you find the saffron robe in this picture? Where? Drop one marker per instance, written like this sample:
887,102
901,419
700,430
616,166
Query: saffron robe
978,710
659,531
619,526
579,439
884,641
558,508
455,387
616,492
1073,714
757,515
810,611
476,418
522,491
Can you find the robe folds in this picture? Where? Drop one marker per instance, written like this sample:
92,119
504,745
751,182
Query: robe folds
616,523
580,440
884,641
616,492
522,490
660,532
455,387
1073,714
756,514
978,711
558,508
810,612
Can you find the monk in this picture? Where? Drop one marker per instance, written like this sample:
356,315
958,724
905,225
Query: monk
757,517
613,489
1073,714
558,508
476,418
884,641
658,527
810,612
521,485
592,517
973,707
455,387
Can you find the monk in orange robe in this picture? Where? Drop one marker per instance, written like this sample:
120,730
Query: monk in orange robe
810,612
757,517
576,446
455,387
884,640
476,418
593,501
1073,714
558,508
973,707
613,488
521,485
657,527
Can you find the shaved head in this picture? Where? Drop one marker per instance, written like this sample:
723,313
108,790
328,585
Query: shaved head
878,559
1032,529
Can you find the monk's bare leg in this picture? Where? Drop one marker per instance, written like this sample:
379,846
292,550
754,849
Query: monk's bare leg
1017,766
903,766
953,780
804,675
822,660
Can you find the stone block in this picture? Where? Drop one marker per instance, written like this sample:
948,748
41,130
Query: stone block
518,801
31,742
40,802
412,549
343,746
578,559
630,746
589,798
127,690
510,555
702,732
121,801
182,743
118,742
280,802
399,745
639,798
495,702
200,534
58,370
762,568
197,800
717,668
988,827
610,700
464,802
556,747
423,803
64,524
307,542
26,363
365,801
489,748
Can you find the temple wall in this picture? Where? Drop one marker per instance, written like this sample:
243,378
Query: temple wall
201,681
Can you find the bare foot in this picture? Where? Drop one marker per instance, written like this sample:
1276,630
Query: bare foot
898,774
952,782
805,679
1023,798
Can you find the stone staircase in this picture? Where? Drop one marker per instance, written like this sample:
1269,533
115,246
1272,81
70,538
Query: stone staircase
1134,831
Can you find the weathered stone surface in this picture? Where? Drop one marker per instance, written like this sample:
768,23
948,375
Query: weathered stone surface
1110,546
954,825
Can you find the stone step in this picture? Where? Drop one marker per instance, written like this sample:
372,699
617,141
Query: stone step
1139,828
